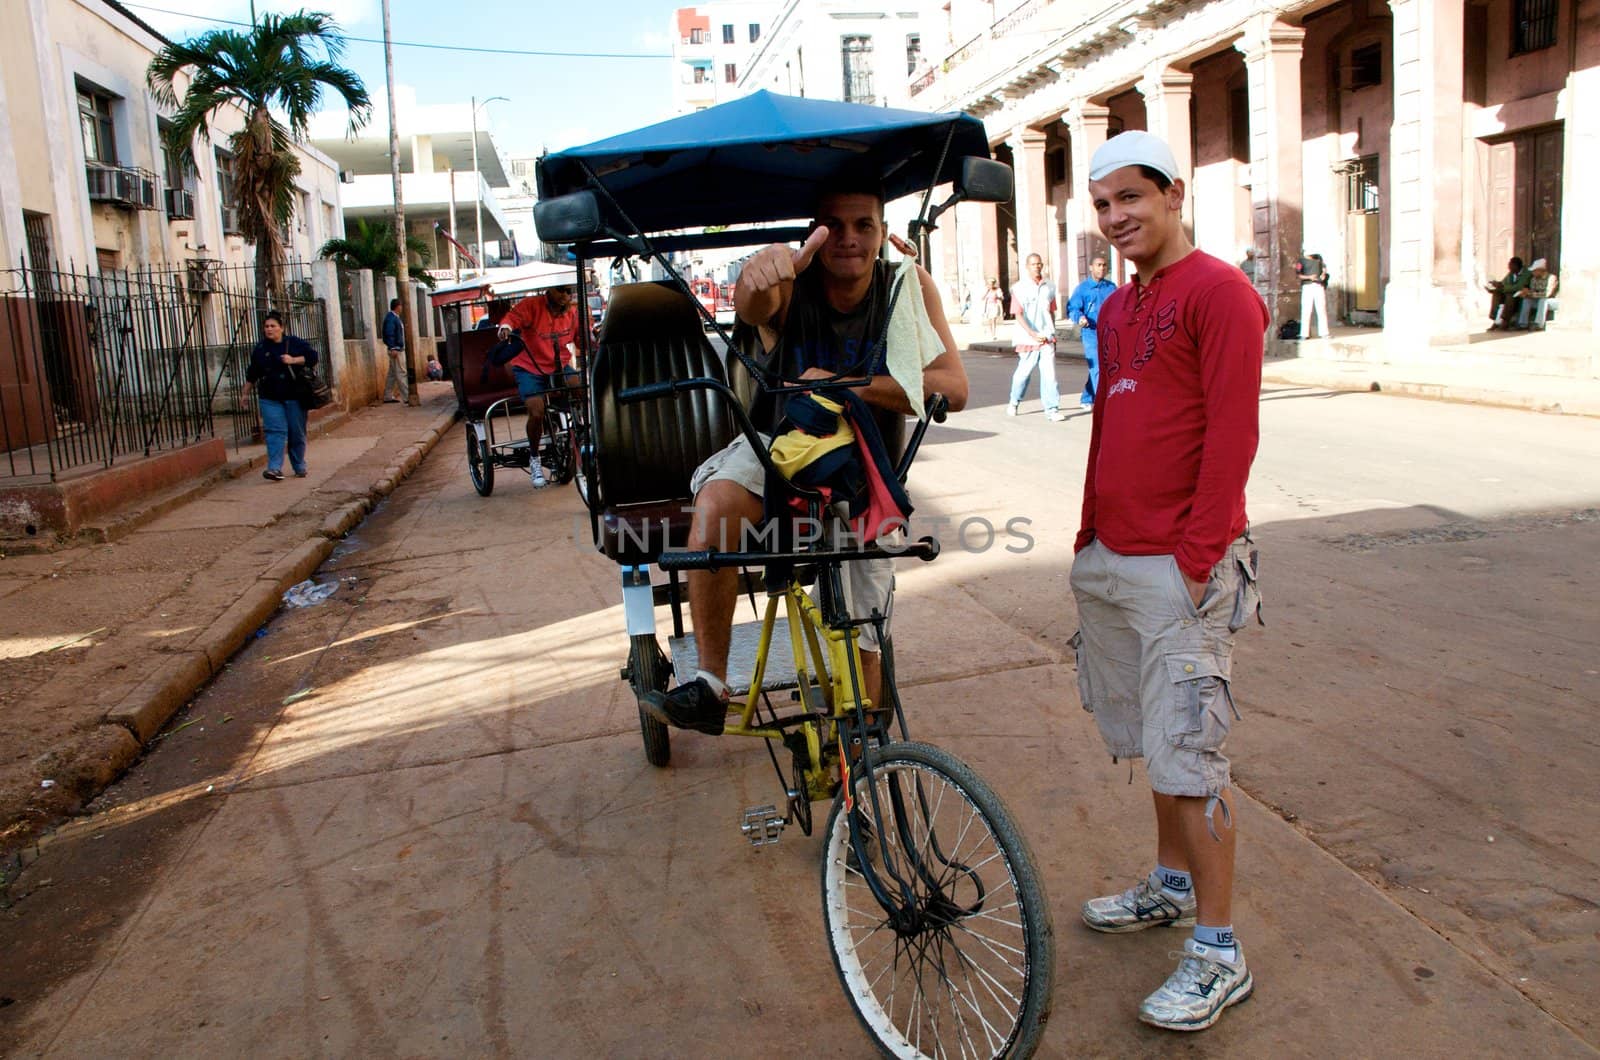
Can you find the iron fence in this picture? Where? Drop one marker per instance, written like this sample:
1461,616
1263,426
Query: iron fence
101,367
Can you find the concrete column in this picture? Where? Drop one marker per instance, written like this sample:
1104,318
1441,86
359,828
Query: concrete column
361,295
325,284
1086,126
1277,187
1032,194
1426,296
1579,267
1167,91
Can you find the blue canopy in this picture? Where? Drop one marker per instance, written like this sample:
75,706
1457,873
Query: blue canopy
760,158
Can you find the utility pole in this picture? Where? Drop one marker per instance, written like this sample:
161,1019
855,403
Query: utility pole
455,262
402,271
477,176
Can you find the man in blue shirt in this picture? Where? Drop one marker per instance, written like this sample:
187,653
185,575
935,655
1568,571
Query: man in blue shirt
1083,309
394,343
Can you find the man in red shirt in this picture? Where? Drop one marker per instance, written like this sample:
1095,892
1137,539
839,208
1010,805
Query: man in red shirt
1164,573
548,326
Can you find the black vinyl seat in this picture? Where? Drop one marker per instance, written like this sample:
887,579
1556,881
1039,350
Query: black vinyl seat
645,453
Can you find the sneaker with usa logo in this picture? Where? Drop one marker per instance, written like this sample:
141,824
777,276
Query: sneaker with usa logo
1141,906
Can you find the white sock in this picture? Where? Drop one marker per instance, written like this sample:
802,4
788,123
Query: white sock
715,683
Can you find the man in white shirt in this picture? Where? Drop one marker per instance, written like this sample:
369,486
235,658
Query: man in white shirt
1033,303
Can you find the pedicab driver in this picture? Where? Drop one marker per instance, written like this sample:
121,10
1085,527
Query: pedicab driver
813,309
1164,573
548,326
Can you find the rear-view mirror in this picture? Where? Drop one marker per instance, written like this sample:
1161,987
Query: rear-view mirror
571,218
985,180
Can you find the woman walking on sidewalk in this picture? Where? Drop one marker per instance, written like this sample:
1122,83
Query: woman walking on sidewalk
283,418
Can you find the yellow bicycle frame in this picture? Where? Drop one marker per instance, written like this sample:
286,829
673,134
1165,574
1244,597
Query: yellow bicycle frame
824,679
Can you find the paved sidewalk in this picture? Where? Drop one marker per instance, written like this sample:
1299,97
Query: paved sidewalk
101,643
1472,379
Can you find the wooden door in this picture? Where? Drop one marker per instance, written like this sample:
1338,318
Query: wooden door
1540,151
1524,198
1502,242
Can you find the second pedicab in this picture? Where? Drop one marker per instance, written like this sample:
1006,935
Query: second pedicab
486,394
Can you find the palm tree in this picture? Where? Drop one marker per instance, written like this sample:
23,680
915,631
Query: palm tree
272,70
371,246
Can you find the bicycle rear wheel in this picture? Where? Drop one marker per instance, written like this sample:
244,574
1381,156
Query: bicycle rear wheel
963,964
480,462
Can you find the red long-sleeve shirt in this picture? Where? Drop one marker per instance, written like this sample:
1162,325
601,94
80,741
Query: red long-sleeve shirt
1176,414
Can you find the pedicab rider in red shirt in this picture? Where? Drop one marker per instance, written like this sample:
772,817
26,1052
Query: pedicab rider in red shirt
1164,573
548,326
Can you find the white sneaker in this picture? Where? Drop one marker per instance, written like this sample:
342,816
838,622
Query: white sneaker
1011,409
1195,994
1055,415
536,474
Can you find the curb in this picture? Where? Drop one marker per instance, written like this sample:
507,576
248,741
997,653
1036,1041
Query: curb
1462,395
133,722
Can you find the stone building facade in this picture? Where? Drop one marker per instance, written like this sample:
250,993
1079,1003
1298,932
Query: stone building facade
1415,144
85,177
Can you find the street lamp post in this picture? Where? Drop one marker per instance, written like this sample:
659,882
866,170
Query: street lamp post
477,177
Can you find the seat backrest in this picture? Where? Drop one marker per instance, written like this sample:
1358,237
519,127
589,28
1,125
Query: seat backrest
473,392
648,451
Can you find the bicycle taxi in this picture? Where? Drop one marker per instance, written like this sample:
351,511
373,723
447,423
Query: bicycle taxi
938,926
486,394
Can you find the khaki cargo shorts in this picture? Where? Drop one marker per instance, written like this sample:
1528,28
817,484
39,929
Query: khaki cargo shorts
868,583
1154,669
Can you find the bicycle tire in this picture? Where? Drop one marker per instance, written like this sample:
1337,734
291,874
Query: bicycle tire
649,672
580,474
561,465
960,929
480,464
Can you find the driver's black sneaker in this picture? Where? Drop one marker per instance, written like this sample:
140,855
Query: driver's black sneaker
689,706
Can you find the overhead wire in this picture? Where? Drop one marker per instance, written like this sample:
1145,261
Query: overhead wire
416,44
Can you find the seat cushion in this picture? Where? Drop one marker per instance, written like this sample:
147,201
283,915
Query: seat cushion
639,533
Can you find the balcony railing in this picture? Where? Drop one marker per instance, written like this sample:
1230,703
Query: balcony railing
1015,20
127,186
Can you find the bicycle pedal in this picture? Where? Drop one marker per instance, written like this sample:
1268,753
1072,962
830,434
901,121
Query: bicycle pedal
762,825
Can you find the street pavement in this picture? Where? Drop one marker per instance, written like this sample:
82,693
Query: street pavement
100,643
416,820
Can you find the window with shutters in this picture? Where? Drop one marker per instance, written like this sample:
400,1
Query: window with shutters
856,51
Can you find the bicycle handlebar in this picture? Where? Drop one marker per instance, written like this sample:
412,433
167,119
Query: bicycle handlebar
925,549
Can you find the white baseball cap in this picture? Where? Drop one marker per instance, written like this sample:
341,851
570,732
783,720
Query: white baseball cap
1540,264
1133,148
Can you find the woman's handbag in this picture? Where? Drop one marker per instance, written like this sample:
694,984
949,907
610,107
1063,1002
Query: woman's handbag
312,390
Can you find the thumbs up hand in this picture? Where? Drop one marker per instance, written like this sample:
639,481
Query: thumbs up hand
777,264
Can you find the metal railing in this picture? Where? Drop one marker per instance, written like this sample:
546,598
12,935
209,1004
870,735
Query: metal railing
101,367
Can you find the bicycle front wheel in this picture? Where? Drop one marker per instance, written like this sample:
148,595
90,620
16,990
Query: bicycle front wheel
961,964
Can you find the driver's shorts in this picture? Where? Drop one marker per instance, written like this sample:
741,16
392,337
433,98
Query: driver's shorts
1154,670
868,583
531,384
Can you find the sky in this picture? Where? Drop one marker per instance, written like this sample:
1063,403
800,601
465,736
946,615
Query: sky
556,101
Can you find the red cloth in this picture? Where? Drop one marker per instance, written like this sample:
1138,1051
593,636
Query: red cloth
1176,414
544,334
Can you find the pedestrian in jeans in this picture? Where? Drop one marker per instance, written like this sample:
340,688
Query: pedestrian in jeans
272,372
1541,288
1083,309
1033,304
394,341
1163,575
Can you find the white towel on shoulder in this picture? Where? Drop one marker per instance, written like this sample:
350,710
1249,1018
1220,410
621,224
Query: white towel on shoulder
913,341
